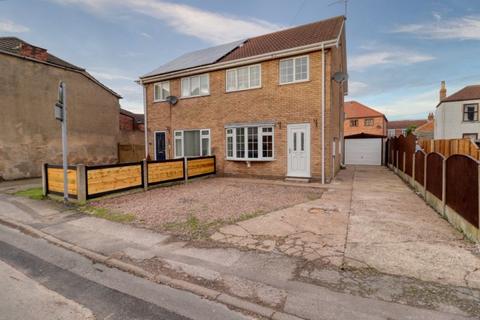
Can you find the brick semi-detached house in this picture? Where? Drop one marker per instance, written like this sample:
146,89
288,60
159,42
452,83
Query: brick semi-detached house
362,119
268,106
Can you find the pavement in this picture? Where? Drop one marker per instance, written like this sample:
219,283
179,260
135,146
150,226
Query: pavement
368,249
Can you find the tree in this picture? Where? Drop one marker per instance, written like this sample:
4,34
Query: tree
410,129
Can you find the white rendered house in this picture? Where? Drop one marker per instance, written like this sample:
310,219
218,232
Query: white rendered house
456,116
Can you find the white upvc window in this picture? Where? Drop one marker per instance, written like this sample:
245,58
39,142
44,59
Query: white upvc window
391,132
294,70
196,86
192,143
250,143
243,78
161,90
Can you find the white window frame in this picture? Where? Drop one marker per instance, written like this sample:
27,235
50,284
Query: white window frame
294,64
180,137
161,84
236,78
199,76
260,135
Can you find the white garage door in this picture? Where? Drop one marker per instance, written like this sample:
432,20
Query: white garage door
363,151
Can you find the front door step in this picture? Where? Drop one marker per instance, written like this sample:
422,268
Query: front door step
297,179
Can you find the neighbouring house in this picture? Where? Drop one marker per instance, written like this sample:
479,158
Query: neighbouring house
269,106
425,131
29,132
365,130
399,127
456,115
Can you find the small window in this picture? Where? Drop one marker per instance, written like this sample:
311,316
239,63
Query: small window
368,123
294,70
195,86
243,78
473,136
249,143
470,112
353,123
192,143
161,91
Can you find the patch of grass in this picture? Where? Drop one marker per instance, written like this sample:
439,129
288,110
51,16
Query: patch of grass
246,216
32,193
107,214
313,196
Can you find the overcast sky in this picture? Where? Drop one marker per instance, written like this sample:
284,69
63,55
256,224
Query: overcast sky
398,50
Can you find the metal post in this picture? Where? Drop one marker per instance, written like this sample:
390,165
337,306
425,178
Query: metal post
64,141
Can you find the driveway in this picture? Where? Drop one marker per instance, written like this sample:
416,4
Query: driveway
367,219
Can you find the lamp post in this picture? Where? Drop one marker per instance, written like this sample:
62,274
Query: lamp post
61,115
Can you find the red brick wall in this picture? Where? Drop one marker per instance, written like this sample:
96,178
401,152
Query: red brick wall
126,122
283,104
379,126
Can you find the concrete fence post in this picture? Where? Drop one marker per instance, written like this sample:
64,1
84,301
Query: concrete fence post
413,171
81,183
145,174
444,186
396,156
185,168
44,179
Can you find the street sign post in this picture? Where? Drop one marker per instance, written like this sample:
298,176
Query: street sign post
61,115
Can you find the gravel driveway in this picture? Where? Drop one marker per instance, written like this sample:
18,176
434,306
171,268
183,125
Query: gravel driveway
211,199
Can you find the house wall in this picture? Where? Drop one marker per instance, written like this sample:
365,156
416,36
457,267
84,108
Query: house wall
130,133
449,122
29,133
282,104
379,126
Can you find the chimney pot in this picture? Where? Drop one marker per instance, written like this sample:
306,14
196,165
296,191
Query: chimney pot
443,90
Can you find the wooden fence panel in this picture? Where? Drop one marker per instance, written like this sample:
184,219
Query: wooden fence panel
409,149
420,167
462,187
55,180
401,151
109,178
197,167
130,153
165,171
435,174
447,147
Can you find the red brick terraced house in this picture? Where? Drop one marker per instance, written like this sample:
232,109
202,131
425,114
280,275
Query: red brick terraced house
268,106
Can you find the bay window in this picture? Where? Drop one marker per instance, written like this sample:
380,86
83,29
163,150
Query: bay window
249,143
192,143
243,78
195,86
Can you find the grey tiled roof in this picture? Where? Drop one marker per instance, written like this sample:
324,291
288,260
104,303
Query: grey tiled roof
196,58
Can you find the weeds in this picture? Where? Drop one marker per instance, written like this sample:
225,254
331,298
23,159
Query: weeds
107,214
32,193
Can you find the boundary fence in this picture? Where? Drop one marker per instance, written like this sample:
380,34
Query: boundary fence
450,184
87,182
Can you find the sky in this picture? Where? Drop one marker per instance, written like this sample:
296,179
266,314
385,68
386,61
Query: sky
398,51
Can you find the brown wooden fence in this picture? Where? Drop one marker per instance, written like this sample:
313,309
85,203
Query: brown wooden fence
420,167
401,151
100,180
54,180
435,174
462,186
409,149
130,152
451,146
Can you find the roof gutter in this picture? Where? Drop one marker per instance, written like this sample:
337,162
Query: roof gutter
238,62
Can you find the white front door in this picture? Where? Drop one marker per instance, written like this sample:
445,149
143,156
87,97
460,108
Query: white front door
298,150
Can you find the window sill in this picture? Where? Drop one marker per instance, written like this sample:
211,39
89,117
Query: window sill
191,97
240,90
158,101
250,160
294,82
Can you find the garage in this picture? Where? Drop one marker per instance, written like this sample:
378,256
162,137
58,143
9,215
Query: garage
364,149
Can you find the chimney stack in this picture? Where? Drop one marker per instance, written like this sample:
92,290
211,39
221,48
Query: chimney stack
30,51
443,91
430,116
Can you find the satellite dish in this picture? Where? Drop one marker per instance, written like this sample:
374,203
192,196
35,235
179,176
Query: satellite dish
172,100
340,77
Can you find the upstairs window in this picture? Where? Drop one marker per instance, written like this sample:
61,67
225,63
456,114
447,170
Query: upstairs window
195,86
161,91
243,78
249,143
294,70
368,122
353,123
470,112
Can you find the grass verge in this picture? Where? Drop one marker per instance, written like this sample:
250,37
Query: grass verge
107,214
32,193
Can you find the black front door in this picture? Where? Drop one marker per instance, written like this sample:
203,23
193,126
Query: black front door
160,146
